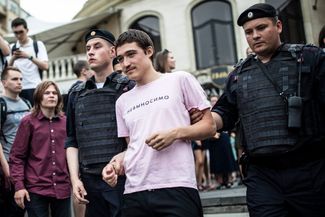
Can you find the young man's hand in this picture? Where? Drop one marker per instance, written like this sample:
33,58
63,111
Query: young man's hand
109,175
20,197
79,192
20,54
161,140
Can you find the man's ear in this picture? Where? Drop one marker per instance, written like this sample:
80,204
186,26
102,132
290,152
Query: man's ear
3,82
112,51
279,26
149,51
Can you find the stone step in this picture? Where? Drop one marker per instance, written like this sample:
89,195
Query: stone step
228,215
224,201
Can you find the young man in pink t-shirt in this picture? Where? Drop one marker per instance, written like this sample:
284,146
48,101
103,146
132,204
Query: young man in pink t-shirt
154,118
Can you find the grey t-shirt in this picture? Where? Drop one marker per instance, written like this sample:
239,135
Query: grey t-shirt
16,110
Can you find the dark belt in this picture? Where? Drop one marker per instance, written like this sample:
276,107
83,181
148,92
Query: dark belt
95,169
286,161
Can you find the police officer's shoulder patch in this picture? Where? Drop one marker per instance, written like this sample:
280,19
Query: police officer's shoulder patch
79,87
242,62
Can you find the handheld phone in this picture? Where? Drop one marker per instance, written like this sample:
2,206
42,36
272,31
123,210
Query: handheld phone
15,49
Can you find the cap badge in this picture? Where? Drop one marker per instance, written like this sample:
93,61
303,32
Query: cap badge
250,15
93,33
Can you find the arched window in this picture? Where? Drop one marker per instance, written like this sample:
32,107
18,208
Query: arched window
213,32
150,25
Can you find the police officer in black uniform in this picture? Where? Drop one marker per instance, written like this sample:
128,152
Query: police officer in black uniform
278,96
92,131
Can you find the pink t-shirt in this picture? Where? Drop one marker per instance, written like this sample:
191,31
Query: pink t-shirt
158,106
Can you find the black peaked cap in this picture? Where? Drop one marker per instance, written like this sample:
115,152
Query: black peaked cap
256,11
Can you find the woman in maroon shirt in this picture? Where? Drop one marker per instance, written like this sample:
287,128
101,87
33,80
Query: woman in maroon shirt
37,160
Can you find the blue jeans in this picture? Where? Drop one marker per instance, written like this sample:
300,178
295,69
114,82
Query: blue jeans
39,206
104,201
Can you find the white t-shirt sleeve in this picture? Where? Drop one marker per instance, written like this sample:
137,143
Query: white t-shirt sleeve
193,93
122,130
42,53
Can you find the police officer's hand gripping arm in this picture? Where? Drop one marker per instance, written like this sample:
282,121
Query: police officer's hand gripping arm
114,168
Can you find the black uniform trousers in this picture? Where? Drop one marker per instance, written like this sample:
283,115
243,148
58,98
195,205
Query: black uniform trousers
286,192
104,201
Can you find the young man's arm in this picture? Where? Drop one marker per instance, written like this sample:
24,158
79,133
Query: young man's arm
42,64
17,161
77,186
42,58
4,46
4,163
203,129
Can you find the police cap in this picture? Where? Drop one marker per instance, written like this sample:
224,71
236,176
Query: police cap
256,11
100,33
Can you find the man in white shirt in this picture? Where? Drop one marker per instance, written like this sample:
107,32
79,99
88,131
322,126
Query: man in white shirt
29,57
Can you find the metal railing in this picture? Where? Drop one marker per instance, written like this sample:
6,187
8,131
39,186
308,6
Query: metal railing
61,71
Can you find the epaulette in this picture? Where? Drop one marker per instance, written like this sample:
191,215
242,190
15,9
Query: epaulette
78,87
242,62
293,49
120,79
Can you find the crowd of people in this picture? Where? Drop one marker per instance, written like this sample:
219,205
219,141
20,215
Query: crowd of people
135,137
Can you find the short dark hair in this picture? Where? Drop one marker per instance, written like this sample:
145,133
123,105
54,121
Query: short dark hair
142,39
19,21
5,72
161,60
321,37
78,66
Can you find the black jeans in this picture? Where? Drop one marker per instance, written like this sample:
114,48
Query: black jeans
166,202
290,192
104,201
39,206
8,206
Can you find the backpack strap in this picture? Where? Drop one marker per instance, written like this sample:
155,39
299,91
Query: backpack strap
35,45
27,103
3,111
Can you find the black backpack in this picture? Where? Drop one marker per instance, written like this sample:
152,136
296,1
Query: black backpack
35,45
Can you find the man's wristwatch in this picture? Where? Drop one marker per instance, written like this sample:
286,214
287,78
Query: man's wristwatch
30,58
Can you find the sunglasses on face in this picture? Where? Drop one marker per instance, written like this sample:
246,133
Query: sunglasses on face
18,32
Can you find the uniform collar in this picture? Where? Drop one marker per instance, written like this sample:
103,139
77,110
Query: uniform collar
91,83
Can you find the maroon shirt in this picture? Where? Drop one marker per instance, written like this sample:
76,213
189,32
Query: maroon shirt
37,159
